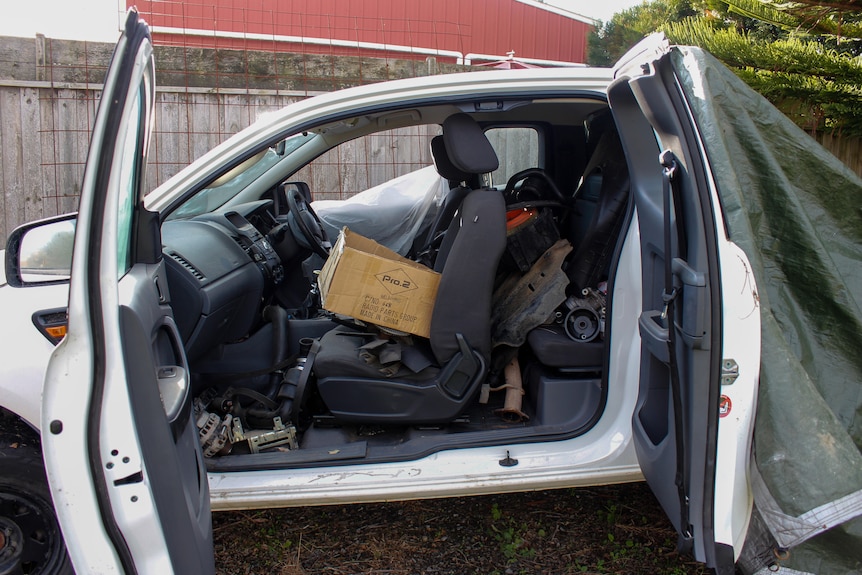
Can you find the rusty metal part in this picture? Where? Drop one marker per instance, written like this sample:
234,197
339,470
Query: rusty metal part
514,387
525,303
261,439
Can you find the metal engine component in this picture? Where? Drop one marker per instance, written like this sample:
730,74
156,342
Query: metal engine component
514,386
219,433
522,303
585,320
213,430
261,439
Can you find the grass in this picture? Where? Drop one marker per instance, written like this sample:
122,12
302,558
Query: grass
604,530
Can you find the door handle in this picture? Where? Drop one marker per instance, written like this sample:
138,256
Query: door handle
174,390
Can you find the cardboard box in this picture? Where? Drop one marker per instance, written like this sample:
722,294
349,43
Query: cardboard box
370,282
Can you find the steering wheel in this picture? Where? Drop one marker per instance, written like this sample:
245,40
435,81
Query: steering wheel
309,224
537,172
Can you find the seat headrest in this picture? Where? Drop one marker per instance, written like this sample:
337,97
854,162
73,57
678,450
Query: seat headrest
443,164
467,146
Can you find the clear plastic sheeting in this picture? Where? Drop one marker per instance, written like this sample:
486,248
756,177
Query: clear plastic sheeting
393,213
796,211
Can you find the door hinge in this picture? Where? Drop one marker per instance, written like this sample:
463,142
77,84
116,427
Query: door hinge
729,371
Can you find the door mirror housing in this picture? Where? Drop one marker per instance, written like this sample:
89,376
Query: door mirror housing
40,253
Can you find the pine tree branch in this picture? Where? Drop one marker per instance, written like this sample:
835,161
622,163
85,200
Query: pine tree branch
818,88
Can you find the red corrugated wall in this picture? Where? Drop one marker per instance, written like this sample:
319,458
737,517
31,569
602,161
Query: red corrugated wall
492,27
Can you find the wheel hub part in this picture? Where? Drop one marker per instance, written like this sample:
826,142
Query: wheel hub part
11,545
29,538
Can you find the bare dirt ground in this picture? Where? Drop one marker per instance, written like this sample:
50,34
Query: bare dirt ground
602,530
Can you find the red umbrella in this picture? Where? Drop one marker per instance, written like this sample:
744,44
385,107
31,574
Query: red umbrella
509,63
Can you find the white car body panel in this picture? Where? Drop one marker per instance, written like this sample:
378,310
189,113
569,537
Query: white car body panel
742,318
104,485
65,447
741,346
24,370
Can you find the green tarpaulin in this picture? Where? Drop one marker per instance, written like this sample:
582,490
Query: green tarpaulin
796,211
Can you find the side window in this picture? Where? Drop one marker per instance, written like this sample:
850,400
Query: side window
367,161
517,149
129,173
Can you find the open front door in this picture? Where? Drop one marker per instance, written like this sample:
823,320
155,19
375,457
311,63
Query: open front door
675,422
121,448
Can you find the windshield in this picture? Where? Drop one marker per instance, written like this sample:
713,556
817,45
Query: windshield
229,184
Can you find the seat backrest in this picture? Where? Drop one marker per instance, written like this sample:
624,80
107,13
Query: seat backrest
469,152
457,192
471,248
606,173
467,280
461,155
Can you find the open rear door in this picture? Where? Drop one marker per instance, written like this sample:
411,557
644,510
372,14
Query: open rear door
121,449
675,422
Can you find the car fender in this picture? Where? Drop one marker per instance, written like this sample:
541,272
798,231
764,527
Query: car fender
25,351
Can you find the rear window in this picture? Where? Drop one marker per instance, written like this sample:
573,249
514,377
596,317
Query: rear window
517,149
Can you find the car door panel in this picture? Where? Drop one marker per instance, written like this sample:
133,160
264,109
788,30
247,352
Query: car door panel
675,420
150,348
121,448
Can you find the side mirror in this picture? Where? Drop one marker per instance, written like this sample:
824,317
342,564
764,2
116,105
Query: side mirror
40,253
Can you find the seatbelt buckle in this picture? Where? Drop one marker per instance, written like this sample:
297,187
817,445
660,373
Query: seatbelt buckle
668,162
668,298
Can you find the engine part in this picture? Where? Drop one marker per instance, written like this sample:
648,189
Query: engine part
582,324
213,430
585,319
522,303
262,439
514,386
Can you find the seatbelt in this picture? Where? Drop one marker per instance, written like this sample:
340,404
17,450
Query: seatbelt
671,205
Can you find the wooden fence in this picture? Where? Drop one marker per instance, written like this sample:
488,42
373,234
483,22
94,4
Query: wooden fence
45,133
49,92
848,150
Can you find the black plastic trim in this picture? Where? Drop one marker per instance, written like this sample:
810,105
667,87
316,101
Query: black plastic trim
336,455
46,318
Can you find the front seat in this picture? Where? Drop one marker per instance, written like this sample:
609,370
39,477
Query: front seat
434,379
425,244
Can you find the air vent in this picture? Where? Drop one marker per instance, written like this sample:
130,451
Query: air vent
186,264
246,248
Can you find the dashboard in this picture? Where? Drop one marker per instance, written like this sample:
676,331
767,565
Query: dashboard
221,268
